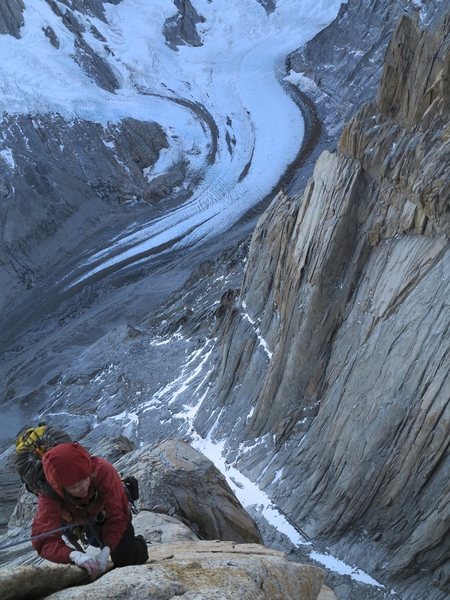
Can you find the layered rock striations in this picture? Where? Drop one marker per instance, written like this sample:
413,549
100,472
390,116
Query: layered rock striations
336,356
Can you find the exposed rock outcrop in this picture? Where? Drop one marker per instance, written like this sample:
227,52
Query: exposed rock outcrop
268,5
343,63
11,17
181,29
337,349
96,8
161,529
92,63
182,482
25,583
207,570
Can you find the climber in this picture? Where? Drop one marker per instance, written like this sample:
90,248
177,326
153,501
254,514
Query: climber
87,490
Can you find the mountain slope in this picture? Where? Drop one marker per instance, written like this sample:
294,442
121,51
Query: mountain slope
334,348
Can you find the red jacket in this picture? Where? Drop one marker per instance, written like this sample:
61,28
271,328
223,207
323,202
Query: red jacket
51,513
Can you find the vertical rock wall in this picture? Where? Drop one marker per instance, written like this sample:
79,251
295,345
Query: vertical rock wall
336,354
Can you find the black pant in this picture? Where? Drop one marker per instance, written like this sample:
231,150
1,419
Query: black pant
131,550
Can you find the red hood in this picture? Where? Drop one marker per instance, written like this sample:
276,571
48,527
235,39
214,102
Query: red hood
65,465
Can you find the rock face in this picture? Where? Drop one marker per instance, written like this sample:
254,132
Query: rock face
194,570
24,583
181,29
161,529
268,5
354,423
344,63
11,17
9,485
337,352
182,482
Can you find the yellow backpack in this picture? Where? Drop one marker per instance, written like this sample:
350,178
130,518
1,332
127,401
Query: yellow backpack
32,440
31,445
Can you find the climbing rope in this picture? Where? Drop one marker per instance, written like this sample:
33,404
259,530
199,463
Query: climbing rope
40,535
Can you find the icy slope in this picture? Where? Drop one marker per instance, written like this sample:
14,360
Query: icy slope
221,104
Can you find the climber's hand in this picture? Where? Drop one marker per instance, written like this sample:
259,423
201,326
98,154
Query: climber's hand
86,562
102,559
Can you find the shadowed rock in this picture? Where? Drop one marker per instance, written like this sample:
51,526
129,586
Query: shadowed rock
160,528
9,486
112,449
11,17
93,8
95,66
31,582
268,5
181,30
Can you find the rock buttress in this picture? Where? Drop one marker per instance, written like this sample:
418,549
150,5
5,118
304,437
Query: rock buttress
336,353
